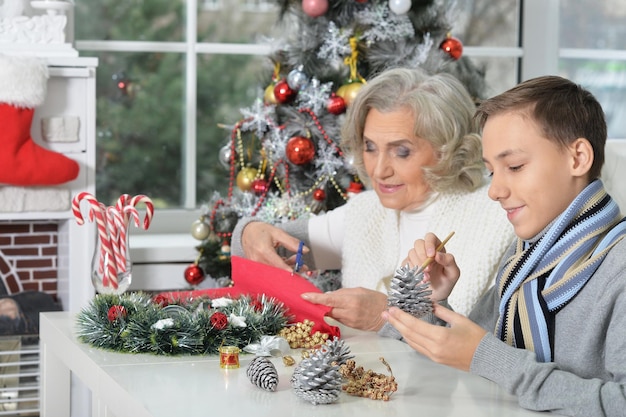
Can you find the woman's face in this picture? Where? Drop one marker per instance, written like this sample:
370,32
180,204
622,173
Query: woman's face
394,158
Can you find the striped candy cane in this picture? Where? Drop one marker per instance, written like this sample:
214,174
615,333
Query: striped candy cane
117,229
149,208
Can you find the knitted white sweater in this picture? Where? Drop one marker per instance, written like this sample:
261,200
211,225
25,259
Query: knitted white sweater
371,243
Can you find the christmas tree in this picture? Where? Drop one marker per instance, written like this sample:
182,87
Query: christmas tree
283,158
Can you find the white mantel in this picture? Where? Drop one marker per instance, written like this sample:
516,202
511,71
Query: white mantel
41,28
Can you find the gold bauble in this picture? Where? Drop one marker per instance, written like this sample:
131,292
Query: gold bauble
269,97
245,178
349,91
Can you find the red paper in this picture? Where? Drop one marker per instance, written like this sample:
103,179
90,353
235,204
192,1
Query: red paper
254,278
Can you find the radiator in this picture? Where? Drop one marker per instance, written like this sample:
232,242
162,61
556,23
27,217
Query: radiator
19,375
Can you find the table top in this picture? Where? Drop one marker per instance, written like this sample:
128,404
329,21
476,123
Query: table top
151,385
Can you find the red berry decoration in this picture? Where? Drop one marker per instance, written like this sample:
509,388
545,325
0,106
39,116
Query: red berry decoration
194,274
452,46
300,150
116,312
256,305
160,300
219,320
283,93
336,104
319,195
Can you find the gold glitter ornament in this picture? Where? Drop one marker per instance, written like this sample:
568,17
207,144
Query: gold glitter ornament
245,177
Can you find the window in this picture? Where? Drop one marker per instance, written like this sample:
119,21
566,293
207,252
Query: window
592,38
172,72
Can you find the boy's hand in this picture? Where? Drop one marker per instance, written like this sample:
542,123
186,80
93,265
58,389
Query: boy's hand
260,240
358,308
442,273
453,346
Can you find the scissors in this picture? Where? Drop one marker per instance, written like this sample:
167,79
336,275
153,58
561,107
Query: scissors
298,264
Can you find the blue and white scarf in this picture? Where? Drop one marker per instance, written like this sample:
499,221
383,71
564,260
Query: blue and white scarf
541,278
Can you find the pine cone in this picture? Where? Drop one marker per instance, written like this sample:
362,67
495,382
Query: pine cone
337,350
317,379
409,293
262,373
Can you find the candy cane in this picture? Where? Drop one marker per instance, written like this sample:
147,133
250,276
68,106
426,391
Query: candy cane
122,202
117,236
109,276
98,211
94,204
131,212
149,208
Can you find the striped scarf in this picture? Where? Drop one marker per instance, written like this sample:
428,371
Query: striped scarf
541,278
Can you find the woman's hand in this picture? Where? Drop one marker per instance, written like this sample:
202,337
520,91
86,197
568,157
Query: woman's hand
358,308
454,345
260,241
442,273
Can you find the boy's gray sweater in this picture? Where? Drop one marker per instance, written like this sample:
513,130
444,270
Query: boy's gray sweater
588,375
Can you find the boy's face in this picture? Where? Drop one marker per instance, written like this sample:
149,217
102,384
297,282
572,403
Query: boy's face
532,177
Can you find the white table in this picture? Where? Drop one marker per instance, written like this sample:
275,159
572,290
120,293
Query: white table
145,385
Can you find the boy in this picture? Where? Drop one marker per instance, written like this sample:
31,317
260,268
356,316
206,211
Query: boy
552,330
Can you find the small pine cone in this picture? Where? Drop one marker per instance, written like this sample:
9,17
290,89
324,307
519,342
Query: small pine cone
409,293
262,373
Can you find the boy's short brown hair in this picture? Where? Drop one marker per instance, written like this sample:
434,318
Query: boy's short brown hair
563,110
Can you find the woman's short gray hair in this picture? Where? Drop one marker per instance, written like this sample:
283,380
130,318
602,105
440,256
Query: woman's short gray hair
444,116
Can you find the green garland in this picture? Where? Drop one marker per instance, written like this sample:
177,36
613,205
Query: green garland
137,323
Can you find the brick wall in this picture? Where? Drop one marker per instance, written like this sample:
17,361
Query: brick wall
29,256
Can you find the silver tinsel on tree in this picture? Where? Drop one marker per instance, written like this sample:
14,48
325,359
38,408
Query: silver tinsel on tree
317,379
409,293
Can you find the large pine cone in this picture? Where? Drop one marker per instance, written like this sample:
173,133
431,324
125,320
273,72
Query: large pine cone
337,350
317,378
262,373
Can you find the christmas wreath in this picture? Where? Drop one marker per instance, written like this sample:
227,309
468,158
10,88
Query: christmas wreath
139,323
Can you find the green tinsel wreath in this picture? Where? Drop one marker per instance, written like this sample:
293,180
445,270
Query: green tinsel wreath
136,323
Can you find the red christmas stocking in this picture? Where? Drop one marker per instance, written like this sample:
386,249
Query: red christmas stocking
23,83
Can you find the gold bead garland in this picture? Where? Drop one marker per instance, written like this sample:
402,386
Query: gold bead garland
299,335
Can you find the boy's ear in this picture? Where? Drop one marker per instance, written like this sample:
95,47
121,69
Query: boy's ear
582,156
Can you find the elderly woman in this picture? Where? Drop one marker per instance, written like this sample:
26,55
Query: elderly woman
414,143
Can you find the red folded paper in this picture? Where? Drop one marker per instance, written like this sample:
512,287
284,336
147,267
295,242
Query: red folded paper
254,278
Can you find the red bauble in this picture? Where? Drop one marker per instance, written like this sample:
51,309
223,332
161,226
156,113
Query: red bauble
283,93
300,150
116,312
315,8
219,320
355,187
336,104
319,195
260,186
453,47
194,274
